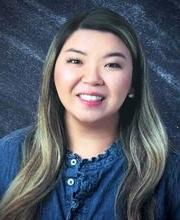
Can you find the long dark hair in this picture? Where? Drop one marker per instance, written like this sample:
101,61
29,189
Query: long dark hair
141,131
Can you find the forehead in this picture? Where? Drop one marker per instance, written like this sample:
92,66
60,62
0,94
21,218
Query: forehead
94,39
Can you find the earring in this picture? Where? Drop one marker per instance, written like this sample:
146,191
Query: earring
131,95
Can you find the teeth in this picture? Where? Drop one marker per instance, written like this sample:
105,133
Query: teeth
90,97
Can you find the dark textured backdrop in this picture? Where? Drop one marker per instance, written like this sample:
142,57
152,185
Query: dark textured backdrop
27,28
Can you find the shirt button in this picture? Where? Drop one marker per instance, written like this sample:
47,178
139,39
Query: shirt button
73,162
70,181
75,204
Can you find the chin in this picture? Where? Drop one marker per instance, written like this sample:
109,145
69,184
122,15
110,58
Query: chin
95,119
89,121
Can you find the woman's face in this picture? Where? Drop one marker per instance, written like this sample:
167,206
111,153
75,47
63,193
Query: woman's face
93,75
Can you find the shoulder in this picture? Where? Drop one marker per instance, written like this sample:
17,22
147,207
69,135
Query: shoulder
11,142
168,191
10,156
172,169
14,136
172,176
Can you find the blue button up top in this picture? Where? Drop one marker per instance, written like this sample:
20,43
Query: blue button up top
83,178
87,188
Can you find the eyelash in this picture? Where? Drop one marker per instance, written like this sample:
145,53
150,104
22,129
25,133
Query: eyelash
77,61
116,65
71,59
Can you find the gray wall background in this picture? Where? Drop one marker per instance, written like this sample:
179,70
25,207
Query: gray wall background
27,28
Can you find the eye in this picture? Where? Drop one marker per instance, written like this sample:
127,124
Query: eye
74,61
113,65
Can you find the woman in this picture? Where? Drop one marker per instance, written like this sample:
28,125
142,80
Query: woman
98,149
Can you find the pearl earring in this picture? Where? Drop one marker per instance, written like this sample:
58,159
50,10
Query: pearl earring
131,95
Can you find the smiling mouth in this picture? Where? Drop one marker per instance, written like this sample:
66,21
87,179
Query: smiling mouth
87,97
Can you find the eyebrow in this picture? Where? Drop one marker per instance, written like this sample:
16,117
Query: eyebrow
113,54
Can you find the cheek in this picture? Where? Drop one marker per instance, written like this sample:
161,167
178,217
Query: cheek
126,81
121,83
63,77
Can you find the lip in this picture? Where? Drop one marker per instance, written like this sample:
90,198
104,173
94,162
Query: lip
91,103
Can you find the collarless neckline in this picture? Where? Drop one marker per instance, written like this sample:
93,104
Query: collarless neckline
112,152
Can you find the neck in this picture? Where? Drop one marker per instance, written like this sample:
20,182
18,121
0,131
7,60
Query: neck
89,140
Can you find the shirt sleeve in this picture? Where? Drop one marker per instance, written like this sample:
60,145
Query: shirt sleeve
173,185
10,157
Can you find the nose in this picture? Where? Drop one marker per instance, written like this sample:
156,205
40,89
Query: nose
92,76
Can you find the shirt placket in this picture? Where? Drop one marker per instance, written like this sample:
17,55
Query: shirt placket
72,185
